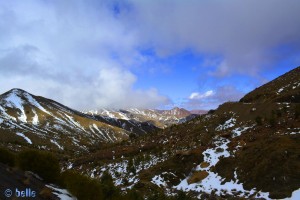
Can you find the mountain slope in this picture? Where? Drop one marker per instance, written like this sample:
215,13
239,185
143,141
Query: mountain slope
244,150
44,123
285,88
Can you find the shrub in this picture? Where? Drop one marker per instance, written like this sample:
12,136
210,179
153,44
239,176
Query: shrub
211,111
130,166
272,121
157,196
278,113
182,196
108,188
297,111
7,157
81,186
132,136
258,120
85,188
132,195
44,164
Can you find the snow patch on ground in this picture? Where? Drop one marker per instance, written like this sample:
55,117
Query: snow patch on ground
123,116
35,103
121,171
14,101
35,119
23,136
238,131
71,119
158,180
54,142
213,182
293,133
62,194
102,134
228,124
280,90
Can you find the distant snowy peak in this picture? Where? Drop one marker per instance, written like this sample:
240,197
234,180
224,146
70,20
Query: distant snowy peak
159,118
176,112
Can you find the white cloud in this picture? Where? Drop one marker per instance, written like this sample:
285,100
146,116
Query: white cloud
212,99
77,53
196,95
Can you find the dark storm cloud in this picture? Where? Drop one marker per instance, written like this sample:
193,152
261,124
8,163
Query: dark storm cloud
247,35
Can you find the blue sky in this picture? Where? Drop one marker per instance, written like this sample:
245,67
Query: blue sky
147,54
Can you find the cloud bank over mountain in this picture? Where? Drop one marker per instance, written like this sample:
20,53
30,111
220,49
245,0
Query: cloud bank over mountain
61,49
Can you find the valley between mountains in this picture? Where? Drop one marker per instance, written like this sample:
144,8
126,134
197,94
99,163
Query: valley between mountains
242,150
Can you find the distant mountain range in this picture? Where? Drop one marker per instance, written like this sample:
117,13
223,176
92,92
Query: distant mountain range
46,124
159,118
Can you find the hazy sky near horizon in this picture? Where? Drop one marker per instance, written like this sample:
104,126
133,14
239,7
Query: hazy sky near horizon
195,54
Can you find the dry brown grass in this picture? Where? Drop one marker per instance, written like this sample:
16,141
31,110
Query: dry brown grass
197,177
46,193
204,164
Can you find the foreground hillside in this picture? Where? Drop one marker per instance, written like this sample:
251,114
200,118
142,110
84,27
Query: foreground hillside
242,150
247,149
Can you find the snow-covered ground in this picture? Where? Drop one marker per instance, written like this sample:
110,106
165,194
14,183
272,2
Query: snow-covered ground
228,124
159,181
214,182
23,136
238,131
120,170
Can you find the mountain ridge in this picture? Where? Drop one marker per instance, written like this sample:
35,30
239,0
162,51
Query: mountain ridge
45,123
241,150
285,88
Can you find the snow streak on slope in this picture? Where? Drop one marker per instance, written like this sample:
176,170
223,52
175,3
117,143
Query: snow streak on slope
33,102
14,101
213,182
62,194
23,136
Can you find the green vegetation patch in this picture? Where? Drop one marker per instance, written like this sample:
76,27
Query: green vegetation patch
7,157
44,164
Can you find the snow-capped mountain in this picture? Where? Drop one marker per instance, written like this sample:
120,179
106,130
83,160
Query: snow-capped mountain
158,118
44,123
